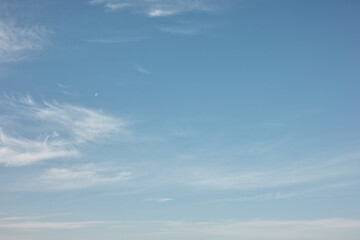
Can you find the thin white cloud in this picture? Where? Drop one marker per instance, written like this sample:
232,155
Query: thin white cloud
159,200
53,130
158,8
80,123
71,178
119,39
46,225
331,229
263,196
79,177
186,28
67,90
258,179
38,222
296,174
16,42
142,70
272,229
19,151
285,195
303,176
179,30
2,219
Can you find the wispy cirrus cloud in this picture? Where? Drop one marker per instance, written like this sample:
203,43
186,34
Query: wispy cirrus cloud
259,178
158,8
67,90
71,177
304,177
286,195
79,177
53,130
19,151
17,42
332,167
79,123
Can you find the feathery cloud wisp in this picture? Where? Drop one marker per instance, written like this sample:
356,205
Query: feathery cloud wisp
16,42
158,8
58,129
80,123
19,151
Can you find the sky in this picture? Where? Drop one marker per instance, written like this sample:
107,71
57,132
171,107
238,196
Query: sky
181,119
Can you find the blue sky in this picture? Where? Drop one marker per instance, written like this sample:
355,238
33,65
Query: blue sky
182,119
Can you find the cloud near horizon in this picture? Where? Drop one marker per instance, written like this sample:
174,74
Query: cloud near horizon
326,228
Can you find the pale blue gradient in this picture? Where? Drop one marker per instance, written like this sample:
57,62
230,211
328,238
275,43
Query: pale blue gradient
213,120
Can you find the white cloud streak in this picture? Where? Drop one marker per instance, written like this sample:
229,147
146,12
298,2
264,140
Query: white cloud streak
158,8
304,177
263,196
159,200
332,229
57,130
256,179
23,218
19,151
16,42
81,123
46,225
79,177
34,222
285,195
